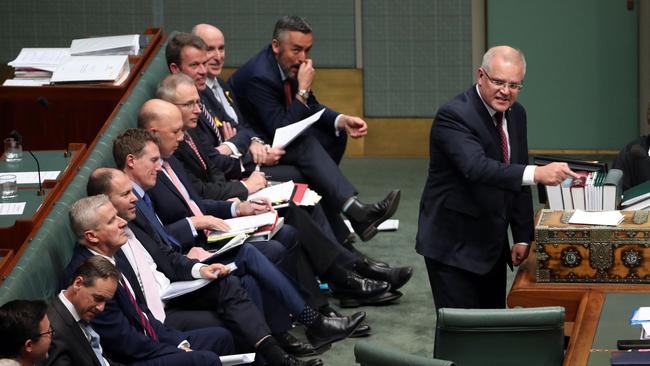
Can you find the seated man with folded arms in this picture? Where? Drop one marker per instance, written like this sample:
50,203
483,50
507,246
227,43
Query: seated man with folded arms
179,89
25,333
75,342
132,332
187,53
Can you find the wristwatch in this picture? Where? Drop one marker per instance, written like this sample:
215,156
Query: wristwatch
304,93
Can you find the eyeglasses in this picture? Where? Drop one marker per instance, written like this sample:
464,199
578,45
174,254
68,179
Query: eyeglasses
50,333
190,104
501,83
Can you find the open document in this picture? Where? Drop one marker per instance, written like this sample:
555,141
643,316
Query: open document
231,244
92,68
284,135
179,288
240,359
244,224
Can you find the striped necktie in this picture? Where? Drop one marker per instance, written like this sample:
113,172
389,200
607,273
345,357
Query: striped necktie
192,145
498,116
144,322
211,122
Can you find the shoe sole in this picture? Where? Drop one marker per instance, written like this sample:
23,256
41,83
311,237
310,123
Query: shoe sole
354,303
371,230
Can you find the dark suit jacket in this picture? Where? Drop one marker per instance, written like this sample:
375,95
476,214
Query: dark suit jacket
471,196
211,182
259,90
69,344
635,165
173,210
119,326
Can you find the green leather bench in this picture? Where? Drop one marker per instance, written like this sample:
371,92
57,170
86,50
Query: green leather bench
36,274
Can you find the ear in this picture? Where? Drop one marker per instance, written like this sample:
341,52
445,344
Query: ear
275,46
130,160
90,237
174,68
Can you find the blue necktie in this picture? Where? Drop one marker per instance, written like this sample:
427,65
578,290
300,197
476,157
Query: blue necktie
150,215
94,341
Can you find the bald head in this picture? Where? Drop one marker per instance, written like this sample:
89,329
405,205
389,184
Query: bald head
214,39
99,181
163,119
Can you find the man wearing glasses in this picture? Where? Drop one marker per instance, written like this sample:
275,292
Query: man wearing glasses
479,186
25,333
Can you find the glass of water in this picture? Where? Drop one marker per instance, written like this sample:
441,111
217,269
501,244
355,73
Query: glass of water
13,150
8,186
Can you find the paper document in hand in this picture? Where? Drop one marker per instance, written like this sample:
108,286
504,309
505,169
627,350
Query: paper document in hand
179,288
284,135
606,218
279,193
232,360
112,45
233,243
91,68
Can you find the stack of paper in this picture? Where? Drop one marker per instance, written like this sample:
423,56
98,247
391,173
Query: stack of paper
113,69
244,224
605,218
103,46
34,66
278,194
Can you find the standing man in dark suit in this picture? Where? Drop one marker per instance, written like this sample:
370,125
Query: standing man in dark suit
479,186
75,341
274,89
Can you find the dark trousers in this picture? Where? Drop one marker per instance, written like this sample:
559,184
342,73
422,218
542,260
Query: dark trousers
453,287
207,344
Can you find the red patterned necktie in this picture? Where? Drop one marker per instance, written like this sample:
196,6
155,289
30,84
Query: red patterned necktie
498,116
190,142
143,319
287,92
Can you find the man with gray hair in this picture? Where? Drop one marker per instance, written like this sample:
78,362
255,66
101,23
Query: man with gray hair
479,187
130,331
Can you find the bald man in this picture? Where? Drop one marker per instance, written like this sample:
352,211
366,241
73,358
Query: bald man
479,186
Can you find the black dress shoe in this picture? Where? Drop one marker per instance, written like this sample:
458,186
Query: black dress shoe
294,346
329,330
348,244
363,330
366,217
357,286
383,299
292,361
396,277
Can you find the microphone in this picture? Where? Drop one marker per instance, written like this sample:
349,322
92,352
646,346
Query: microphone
16,136
43,102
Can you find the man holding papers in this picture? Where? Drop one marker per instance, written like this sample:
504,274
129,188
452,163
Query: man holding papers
302,160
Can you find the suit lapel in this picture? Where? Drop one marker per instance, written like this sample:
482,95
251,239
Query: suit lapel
513,136
487,125
74,329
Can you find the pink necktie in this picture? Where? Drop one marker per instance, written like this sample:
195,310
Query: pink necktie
196,211
498,116
190,142
148,282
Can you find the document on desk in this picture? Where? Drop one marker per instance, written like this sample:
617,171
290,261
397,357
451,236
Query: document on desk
32,177
240,359
12,208
101,46
26,82
40,58
92,68
603,218
284,135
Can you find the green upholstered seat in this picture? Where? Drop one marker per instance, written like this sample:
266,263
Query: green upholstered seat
372,354
520,336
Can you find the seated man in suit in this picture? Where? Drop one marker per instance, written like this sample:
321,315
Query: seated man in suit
163,266
132,332
634,161
187,53
330,260
75,341
273,89
25,333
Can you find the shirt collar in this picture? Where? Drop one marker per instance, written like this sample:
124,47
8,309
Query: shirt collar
138,189
110,259
282,75
489,109
68,305
211,82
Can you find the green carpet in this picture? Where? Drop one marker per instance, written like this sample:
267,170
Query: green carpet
409,323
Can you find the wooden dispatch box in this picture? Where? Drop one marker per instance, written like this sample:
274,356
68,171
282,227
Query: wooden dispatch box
584,253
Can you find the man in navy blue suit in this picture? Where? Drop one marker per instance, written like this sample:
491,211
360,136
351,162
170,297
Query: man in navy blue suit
479,186
302,160
130,332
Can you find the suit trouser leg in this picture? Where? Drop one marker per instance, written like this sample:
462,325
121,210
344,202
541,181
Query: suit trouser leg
229,299
333,145
454,287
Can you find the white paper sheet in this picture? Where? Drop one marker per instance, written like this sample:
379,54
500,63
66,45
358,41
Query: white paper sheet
12,208
32,177
232,360
388,225
284,135
26,82
41,58
276,193
606,218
